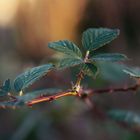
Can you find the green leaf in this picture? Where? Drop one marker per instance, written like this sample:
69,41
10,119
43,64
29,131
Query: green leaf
108,57
95,38
133,71
129,118
5,88
69,62
30,76
90,69
66,47
34,94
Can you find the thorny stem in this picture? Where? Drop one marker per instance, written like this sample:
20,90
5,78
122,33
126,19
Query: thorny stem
87,93
80,75
90,92
51,98
74,92
78,91
83,93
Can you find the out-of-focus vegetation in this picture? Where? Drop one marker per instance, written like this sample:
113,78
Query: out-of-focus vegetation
26,26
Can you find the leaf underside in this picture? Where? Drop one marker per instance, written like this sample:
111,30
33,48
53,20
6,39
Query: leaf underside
113,57
133,71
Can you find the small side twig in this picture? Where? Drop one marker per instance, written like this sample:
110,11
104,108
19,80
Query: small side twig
90,92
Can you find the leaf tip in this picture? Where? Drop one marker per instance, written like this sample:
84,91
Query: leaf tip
21,93
117,31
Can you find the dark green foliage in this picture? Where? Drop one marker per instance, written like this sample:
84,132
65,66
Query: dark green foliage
30,76
90,64
69,62
90,69
5,88
95,38
66,47
92,39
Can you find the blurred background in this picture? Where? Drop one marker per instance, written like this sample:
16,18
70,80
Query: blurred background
26,26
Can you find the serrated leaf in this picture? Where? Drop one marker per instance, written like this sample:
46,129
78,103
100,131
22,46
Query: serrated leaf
108,57
69,62
5,88
129,118
30,76
34,94
95,38
90,69
66,47
133,71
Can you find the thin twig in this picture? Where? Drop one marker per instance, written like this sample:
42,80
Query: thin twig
80,76
51,98
90,92
84,93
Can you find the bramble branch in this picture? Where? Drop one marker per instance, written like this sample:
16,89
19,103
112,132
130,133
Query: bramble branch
90,92
51,98
83,93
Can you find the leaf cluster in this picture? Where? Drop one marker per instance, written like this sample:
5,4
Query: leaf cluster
92,39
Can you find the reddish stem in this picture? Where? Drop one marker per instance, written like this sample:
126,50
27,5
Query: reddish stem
89,92
50,98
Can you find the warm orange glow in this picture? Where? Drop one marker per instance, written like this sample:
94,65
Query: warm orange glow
8,10
38,22
50,98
